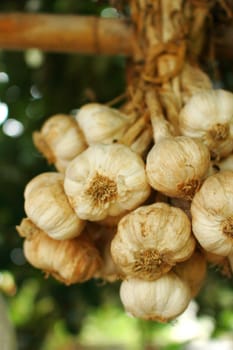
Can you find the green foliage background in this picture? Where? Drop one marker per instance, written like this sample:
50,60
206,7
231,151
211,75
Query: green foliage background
44,309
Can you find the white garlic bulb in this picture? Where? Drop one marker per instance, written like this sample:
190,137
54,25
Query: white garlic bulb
47,206
106,180
208,115
109,271
151,240
161,300
101,124
176,166
212,214
69,261
193,80
60,140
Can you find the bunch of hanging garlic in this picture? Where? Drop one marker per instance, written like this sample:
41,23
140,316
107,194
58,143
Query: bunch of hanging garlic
117,209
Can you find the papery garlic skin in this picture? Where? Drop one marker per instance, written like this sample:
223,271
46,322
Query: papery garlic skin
101,124
151,240
60,140
109,271
193,271
70,261
212,214
193,80
161,300
208,116
176,166
48,207
106,180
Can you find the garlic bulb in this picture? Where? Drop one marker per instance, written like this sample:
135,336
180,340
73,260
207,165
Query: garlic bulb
60,140
101,124
47,206
208,116
109,271
151,240
193,271
193,80
212,214
161,300
106,180
70,261
176,166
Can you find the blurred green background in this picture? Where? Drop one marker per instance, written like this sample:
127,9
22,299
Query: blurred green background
45,314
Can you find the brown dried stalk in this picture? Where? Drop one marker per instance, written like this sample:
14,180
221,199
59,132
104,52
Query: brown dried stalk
163,29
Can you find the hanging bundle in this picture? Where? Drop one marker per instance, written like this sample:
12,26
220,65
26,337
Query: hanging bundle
142,195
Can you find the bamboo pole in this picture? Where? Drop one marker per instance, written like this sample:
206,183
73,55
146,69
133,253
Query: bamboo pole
82,34
65,33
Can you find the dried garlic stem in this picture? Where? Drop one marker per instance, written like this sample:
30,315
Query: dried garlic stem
132,133
166,93
142,143
173,29
200,11
161,127
172,19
